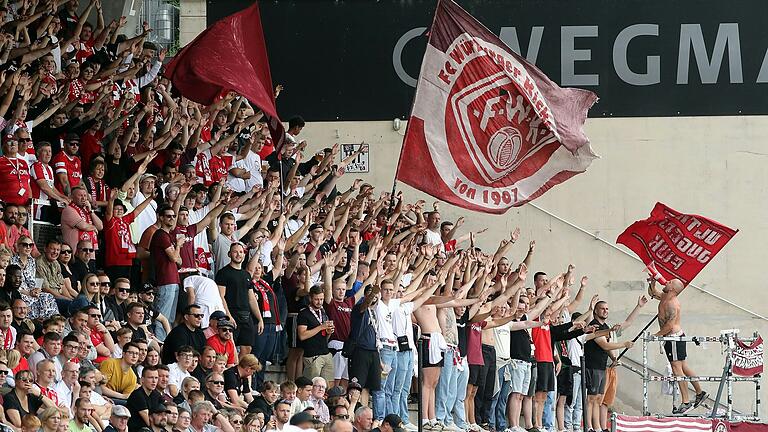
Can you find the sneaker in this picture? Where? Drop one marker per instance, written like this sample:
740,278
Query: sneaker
451,428
683,408
699,399
410,427
534,429
426,426
438,426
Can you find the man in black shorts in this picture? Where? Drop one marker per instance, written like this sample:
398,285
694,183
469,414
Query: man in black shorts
669,325
596,352
236,289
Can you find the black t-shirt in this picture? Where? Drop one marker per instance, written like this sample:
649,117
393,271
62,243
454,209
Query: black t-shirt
140,401
232,381
11,402
179,336
237,283
594,356
461,326
520,345
317,344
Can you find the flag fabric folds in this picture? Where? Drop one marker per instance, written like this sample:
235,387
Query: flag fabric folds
674,244
229,55
488,130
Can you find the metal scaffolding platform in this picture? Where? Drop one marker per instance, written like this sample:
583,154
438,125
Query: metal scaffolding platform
727,340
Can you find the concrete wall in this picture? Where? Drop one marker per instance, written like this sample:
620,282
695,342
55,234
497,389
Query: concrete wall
710,166
192,18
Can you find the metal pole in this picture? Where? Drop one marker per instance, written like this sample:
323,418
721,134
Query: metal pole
584,403
420,384
638,336
645,376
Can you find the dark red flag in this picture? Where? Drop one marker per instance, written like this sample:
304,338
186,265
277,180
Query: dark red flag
489,130
680,245
229,55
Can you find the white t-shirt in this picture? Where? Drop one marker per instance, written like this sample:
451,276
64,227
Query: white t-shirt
176,376
384,315
147,217
251,163
501,335
65,396
206,295
434,238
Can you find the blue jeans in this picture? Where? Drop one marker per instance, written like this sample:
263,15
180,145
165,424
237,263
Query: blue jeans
459,414
166,300
499,403
402,383
383,400
264,349
548,418
573,412
407,370
446,387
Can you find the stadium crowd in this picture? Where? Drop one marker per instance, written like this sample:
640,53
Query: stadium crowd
192,255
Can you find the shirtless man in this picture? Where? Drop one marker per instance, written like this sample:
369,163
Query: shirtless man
433,342
669,323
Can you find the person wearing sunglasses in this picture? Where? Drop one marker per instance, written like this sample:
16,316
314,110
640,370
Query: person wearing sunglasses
49,270
69,172
79,222
118,300
223,341
42,305
24,399
186,333
214,392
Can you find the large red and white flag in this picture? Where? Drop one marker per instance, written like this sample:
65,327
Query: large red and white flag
489,130
674,244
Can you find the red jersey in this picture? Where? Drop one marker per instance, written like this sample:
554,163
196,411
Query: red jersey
97,339
339,312
40,171
90,146
69,165
120,247
222,347
14,178
542,340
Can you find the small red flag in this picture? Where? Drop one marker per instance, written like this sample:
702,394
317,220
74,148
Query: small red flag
674,244
489,130
229,55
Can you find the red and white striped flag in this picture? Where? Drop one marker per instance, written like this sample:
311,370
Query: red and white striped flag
489,130
653,424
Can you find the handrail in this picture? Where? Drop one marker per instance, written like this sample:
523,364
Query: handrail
597,237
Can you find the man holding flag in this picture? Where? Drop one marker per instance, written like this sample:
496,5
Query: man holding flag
669,323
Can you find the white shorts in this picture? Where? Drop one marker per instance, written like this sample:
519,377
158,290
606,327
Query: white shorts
340,363
521,376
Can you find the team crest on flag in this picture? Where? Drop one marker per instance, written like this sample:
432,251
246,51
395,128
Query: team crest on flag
489,130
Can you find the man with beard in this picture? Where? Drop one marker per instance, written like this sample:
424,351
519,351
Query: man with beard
9,220
239,299
222,342
159,418
165,252
186,333
82,420
314,329
79,222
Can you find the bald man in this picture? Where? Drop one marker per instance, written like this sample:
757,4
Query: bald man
669,323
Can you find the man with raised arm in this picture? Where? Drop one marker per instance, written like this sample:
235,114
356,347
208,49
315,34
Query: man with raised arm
669,323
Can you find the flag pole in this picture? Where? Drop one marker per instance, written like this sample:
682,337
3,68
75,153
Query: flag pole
638,336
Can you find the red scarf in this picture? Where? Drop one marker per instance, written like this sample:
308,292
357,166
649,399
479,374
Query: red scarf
98,189
85,235
266,291
8,340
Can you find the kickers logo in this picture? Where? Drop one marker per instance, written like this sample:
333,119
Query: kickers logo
494,114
